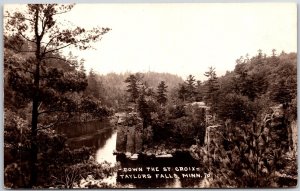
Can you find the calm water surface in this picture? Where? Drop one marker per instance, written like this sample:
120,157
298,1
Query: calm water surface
105,153
103,138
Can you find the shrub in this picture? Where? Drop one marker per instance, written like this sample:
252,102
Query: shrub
250,159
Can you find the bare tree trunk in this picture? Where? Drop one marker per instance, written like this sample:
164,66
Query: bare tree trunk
34,149
35,104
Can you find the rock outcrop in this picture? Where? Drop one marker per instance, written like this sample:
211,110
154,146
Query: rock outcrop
282,126
130,134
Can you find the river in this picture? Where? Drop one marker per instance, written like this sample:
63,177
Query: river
103,137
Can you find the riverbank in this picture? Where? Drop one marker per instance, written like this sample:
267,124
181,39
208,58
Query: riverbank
159,151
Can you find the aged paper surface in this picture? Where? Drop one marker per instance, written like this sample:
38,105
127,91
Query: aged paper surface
189,95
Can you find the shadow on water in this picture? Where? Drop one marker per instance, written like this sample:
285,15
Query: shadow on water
90,134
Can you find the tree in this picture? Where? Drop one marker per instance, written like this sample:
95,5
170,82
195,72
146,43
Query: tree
38,28
190,87
236,107
250,77
161,93
132,87
182,92
284,86
143,107
249,152
259,57
212,87
139,79
199,91
95,87
146,105
92,88
274,58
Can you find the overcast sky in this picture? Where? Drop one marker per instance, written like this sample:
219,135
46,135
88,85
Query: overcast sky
184,38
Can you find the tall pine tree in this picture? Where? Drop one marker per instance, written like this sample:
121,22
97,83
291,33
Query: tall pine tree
132,88
182,92
37,24
161,93
190,87
212,87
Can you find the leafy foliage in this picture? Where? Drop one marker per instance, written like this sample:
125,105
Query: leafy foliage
248,157
237,108
49,86
254,139
39,81
52,152
261,82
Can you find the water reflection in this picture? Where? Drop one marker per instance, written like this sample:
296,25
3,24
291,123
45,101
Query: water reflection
90,134
97,139
103,138
105,153
75,129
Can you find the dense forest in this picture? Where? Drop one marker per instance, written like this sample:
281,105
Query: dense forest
241,96
249,114
42,89
111,88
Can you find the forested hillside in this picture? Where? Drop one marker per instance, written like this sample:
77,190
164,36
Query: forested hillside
242,124
256,84
66,128
111,88
43,88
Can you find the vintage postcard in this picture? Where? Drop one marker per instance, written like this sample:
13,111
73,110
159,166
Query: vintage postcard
175,95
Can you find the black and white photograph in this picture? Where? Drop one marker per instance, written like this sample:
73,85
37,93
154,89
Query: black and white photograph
150,95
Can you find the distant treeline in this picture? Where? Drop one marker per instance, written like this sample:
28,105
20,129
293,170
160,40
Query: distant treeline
111,88
260,81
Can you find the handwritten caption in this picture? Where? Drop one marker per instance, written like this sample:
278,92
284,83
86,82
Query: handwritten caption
161,173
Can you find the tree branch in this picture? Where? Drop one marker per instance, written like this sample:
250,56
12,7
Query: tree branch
36,31
26,38
49,111
91,38
48,43
13,17
44,21
58,58
59,48
58,13
82,40
56,110
52,125
40,105
68,9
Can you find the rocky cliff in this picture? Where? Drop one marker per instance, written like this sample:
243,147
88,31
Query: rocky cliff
130,134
